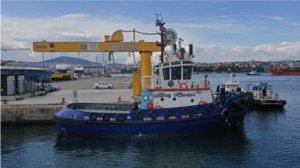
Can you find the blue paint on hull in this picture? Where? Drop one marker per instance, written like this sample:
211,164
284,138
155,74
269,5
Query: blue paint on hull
198,124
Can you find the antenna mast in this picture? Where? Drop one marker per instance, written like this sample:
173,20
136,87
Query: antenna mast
162,29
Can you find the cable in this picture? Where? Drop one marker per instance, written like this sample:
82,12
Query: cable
140,32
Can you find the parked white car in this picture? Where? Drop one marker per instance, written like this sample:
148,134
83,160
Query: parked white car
54,87
103,85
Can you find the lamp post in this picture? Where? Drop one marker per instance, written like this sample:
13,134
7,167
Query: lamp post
43,59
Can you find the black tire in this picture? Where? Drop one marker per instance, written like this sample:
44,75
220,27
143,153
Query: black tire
225,113
97,87
242,103
153,113
93,116
140,114
184,111
105,117
210,108
196,110
120,117
109,87
170,113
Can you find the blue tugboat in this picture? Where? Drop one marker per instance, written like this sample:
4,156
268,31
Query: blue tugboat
169,101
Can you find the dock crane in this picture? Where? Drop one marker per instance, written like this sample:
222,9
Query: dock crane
113,43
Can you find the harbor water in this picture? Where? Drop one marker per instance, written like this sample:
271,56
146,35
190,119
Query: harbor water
268,138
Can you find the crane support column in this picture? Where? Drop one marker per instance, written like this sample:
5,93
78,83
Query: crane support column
146,70
136,83
146,65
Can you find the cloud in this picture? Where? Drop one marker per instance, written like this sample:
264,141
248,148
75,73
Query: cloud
23,31
77,34
264,52
273,17
75,16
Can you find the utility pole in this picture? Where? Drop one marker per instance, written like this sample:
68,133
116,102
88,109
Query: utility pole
43,54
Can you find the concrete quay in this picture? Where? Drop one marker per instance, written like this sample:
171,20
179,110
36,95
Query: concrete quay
40,109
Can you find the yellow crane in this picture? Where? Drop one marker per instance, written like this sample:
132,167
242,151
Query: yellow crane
113,43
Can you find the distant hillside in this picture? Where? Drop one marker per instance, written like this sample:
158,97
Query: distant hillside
62,59
70,60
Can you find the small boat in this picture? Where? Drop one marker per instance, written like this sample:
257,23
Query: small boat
170,101
264,97
253,73
231,85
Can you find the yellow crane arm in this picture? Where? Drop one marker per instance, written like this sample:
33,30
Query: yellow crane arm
111,44
95,46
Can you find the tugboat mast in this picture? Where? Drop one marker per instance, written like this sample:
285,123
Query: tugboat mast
162,29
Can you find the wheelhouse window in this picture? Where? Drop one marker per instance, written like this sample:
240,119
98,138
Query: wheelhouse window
166,73
176,73
187,72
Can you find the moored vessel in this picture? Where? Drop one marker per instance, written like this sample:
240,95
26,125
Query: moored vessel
264,97
167,99
231,85
285,71
291,68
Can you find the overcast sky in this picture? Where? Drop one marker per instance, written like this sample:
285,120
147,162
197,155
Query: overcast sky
220,31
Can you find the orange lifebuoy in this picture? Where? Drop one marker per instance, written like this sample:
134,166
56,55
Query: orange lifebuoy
185,85
201,102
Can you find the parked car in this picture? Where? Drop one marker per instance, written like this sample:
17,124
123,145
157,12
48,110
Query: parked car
103,85
54,87
47,88
42,87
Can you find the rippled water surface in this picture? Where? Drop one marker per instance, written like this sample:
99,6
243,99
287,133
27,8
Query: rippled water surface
267,139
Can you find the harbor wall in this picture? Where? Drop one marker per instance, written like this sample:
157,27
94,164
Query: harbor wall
28,114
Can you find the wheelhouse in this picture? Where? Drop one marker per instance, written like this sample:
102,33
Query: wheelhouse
172,74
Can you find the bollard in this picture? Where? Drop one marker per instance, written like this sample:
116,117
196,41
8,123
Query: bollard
4,101
63,101
119,99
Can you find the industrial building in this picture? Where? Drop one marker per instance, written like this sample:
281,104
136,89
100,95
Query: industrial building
19,80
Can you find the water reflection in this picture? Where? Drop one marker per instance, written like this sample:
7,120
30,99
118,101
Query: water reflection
270,111
14,136
184,150
268,115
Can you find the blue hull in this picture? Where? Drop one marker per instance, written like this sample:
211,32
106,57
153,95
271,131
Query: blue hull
190,123
98,119
188,126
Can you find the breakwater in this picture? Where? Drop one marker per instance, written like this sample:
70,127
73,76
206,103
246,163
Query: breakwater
29,113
